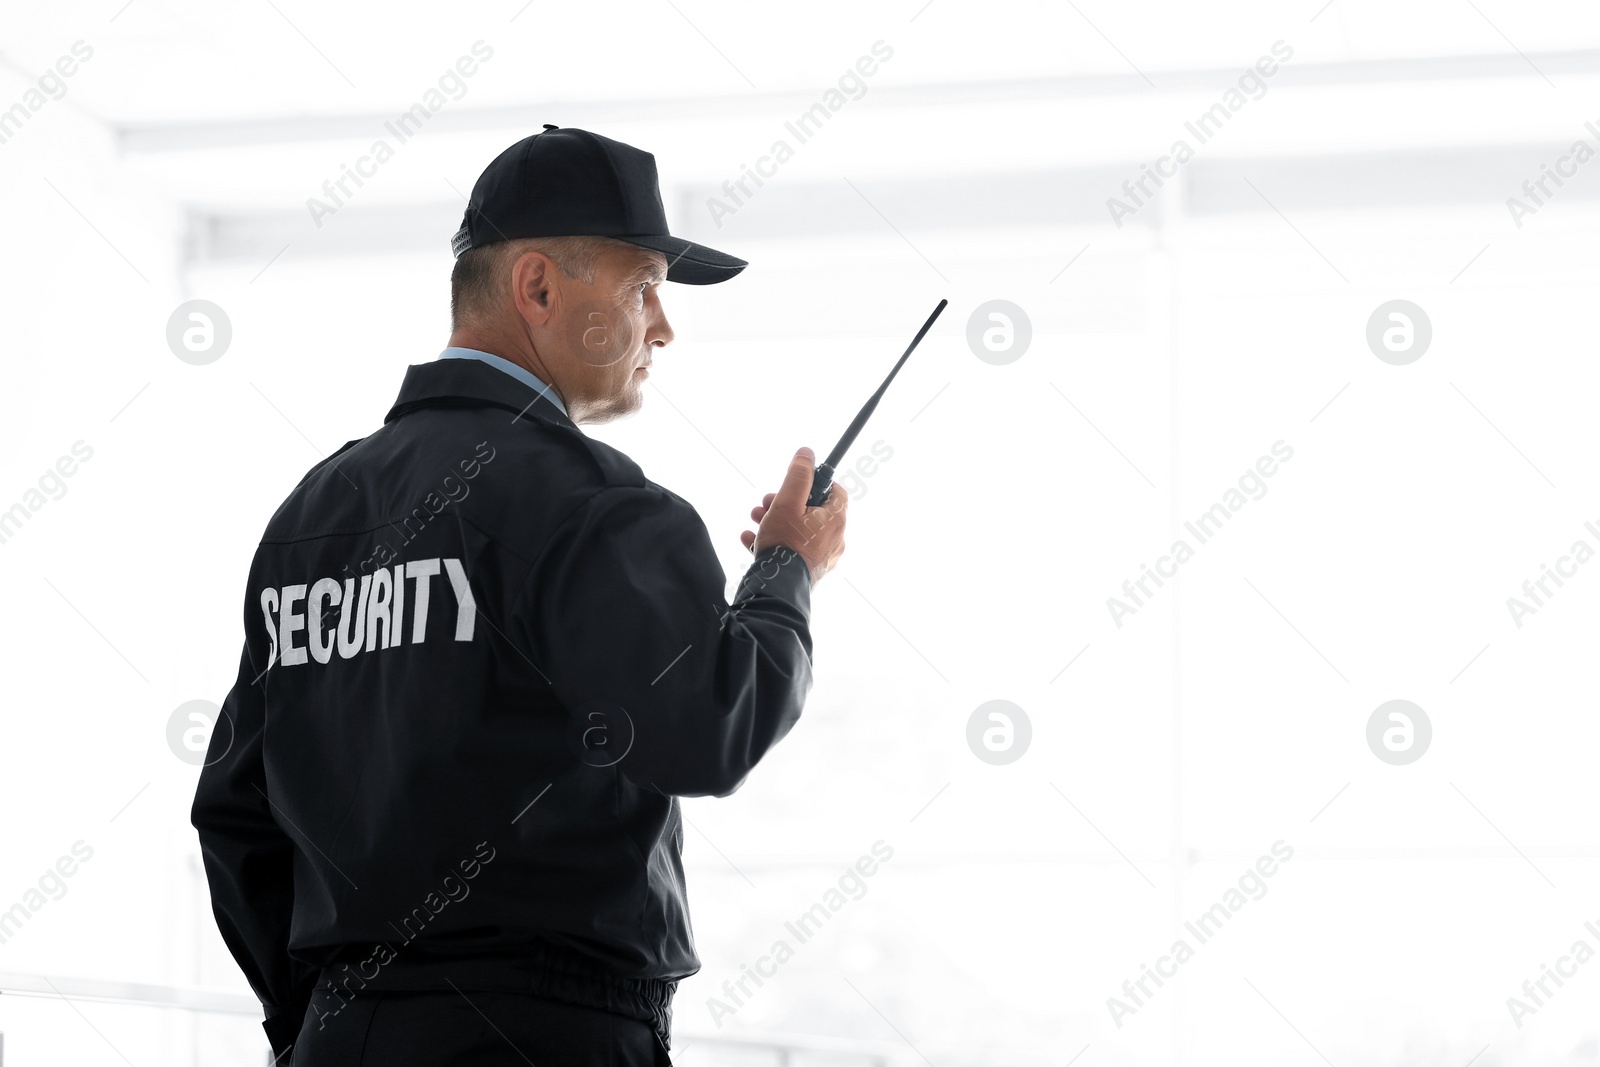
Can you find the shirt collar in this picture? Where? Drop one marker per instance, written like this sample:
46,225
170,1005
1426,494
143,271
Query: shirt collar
450,381
520,373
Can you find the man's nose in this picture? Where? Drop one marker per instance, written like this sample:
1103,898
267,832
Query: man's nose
660,333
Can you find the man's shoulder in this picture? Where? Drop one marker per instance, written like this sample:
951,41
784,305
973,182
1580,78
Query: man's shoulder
510,476
536,481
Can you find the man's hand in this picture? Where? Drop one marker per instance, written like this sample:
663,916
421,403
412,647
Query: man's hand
817,534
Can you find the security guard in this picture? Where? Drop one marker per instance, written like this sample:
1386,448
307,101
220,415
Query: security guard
484,655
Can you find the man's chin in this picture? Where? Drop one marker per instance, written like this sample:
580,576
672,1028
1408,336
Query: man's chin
626,403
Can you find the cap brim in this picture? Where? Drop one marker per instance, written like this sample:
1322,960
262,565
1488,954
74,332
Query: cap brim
688,262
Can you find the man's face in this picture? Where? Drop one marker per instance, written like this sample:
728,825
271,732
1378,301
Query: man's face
609,330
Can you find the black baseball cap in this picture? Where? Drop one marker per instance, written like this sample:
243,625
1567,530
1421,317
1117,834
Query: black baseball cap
570,182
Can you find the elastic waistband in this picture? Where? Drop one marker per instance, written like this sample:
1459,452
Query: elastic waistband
545,971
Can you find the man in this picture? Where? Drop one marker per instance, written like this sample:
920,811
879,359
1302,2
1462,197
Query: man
484,656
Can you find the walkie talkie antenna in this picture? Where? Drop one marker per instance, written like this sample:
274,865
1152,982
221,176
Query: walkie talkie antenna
824,476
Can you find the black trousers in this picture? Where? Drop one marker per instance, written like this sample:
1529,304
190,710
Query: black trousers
472,1029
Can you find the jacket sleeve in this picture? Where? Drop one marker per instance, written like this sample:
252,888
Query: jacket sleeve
627,618
249,860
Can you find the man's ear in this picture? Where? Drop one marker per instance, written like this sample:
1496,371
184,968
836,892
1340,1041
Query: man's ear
533,287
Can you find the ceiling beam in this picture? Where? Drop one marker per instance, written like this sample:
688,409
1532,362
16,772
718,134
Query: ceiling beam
136,138
1063,197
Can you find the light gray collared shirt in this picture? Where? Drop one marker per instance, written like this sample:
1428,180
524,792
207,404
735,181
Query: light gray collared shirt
521,374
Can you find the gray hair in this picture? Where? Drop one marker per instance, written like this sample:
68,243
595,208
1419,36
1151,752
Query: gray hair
479,279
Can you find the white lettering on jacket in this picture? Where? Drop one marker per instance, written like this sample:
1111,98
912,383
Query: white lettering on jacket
307,622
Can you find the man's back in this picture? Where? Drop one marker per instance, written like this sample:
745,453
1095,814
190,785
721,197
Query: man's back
483,655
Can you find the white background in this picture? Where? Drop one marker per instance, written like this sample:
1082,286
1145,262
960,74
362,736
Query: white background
1166,356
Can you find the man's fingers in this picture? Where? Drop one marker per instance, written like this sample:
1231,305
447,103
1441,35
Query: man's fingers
763,507
797,480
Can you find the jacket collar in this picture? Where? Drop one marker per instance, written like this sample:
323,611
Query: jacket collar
468,382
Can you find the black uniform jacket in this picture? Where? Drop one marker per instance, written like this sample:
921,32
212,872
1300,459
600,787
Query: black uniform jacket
483,656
